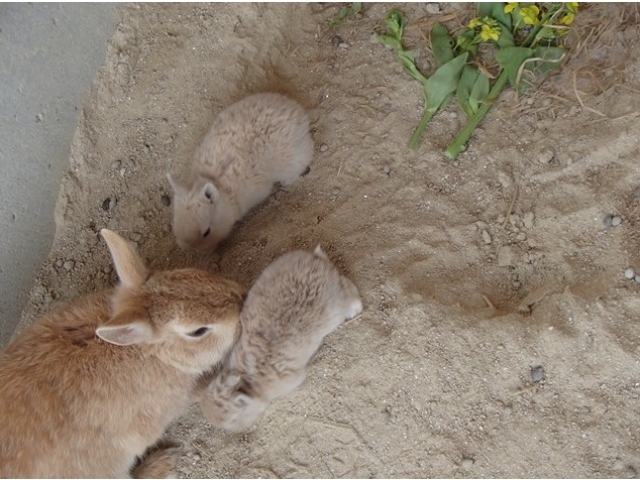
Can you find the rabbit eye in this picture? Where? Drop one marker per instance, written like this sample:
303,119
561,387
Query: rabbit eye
206,234
199,332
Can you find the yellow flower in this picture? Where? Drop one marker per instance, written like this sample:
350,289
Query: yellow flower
487,32
567,19
572,6
530,15
510,7
475,22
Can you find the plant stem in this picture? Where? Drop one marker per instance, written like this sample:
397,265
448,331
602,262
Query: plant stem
459,142
417,133
426,118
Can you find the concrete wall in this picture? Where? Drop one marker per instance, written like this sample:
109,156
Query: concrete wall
49,54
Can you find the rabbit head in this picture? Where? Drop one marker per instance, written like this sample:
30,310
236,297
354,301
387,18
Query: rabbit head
201,218
188,318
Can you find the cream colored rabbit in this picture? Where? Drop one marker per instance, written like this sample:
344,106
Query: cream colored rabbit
253,144
89,387
298,300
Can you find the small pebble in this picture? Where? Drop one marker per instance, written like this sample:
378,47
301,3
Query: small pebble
608,73
546,156
521,237
467,463
607,220
335,191
166,200
486,237
537,374
59,262
433,8
343,45
616,220
116,165
108,204
386,169
637,278
108,269
39,117
508,410
527,219
324,147
135,237
629,273
68,265
546,102
336,40
122,171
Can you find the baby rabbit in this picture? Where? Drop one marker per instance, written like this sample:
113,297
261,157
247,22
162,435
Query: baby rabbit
296,301
88,388
254,143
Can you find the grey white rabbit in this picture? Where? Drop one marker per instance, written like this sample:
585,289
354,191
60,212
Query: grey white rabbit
297,300
253,144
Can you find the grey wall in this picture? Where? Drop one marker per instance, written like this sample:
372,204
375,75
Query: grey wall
49,53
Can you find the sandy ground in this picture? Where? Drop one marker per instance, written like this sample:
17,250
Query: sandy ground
463,301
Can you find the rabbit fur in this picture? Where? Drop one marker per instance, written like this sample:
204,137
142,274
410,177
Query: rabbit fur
253,144
89,387
296,301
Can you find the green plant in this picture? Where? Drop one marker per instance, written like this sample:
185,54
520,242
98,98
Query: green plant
526,41
345,12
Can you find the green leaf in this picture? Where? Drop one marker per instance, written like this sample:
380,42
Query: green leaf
506,37
438,91
465,85
510,59
390,41
441,44
473,89
395,26
408,62
494,10
464,41
395,23
479,92
444,82
345,12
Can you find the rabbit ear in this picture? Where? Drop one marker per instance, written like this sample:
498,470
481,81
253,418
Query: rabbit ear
318,252
210,192
129,265
178,189
126,328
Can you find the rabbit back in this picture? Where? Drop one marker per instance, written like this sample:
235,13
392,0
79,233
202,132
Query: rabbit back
256,142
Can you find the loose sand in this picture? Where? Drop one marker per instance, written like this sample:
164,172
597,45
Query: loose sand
463,295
